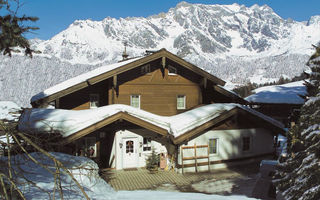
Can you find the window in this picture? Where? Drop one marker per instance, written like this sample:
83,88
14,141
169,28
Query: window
145,69
181,102
135,100
213,146
94,100
129,146
245,143
146,144
91,148
172,70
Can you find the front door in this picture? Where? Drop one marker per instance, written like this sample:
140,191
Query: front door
130,153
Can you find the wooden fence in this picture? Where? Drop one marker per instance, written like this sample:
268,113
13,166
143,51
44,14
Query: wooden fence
195,156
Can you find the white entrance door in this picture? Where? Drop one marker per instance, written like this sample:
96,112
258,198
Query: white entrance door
130,153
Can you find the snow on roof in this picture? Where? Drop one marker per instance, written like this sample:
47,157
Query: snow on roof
68,122
79,79
286,93
9,111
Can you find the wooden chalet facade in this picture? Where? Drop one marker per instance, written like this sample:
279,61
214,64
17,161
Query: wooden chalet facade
162,84
159,79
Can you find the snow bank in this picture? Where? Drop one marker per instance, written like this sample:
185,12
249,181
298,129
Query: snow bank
84,170
9,111
287,94
68,122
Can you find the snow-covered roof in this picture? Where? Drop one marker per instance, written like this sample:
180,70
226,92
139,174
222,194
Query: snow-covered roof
68,122
79,79
279,94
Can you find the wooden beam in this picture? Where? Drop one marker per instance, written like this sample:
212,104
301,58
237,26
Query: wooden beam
115,81
163,62
115,85
204,82
57,103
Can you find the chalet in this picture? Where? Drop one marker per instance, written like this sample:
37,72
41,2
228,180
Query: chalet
281,102
118,113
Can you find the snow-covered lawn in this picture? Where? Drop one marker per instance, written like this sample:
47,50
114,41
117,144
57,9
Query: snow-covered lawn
86,173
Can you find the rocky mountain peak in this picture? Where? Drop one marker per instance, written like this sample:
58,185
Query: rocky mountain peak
314,20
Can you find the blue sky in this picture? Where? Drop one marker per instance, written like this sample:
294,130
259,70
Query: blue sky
57,15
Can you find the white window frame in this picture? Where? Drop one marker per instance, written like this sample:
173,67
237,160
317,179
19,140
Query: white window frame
87,146
217,146
131,100
174,69
250,144
184,101
94,100
148,144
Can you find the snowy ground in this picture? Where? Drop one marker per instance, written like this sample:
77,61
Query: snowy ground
86,173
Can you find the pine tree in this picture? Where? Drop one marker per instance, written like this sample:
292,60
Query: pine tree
299,176
12,29
152,161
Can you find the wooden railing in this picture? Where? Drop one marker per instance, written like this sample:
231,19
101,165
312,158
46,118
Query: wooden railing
195,156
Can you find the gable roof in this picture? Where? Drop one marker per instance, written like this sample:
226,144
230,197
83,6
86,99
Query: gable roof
108,71
73,124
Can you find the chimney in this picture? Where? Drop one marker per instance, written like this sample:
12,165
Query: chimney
124,54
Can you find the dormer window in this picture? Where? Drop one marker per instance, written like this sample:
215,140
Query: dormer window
94,100
172,70
145,69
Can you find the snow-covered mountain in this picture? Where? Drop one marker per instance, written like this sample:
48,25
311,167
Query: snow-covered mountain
194,31
233,42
